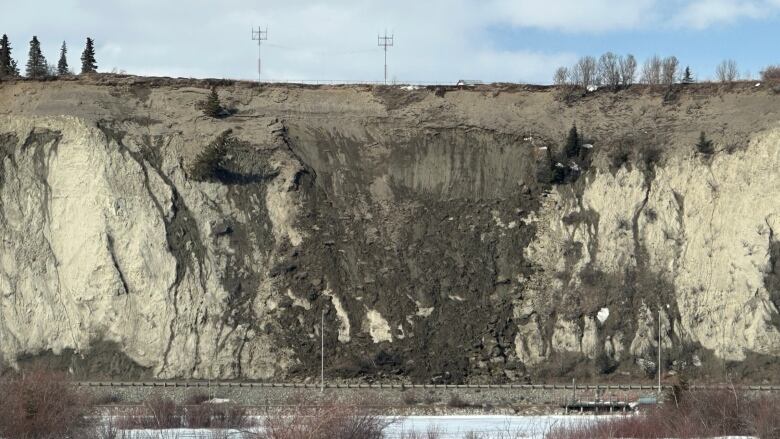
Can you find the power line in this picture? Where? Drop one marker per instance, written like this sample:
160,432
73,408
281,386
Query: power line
385,42
320,52
259,35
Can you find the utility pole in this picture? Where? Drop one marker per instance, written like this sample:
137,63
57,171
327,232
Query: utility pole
259,35
385,42
322,353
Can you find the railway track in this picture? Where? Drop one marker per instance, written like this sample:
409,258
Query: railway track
234,384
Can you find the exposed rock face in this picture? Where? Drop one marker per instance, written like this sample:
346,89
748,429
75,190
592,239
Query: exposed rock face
414,220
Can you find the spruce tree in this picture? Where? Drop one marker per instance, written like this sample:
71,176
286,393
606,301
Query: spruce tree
573,143
36,62
62,65
8,67
88,64
212,107
705,146
687,77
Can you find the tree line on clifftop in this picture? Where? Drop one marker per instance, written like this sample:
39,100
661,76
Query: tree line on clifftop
616,71
37,67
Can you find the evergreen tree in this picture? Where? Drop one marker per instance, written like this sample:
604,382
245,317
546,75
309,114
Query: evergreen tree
36,62
8,68
573,143
705,146
687,76
212,107
88,64
62,65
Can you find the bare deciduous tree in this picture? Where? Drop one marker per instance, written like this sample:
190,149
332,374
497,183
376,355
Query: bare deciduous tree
561,76
727,71
586,71
627,70
609,70
575,75
670,66
651,70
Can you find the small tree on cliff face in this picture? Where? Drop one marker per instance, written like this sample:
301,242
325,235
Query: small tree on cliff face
212,107
36,62
573,143
88,63
208,164
704,145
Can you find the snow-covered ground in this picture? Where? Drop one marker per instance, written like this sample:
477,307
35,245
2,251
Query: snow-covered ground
446,427
503,427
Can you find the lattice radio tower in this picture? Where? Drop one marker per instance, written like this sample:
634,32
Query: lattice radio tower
385,42
259,35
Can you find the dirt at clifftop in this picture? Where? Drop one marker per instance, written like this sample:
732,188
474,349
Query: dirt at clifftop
417,221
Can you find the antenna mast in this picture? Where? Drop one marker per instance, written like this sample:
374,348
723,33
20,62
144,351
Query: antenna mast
259,35
385,42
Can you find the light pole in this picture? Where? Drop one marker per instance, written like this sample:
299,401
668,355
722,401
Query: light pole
659,349
322,352
659,352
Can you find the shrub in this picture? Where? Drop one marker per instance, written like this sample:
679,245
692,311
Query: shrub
107,399
41,404
196,398
228,415
325,421
771,73
410,397
693,413
163,413
457,402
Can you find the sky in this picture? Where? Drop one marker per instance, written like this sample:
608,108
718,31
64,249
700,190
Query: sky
437,41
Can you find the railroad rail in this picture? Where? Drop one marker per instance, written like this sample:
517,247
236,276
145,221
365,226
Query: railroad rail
232,384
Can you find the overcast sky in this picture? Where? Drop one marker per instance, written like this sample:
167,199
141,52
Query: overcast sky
435,40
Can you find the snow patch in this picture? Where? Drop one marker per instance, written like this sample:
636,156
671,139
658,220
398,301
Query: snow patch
297,301
341,313
217,401
283,207
423,311
602,315
401,332
378,327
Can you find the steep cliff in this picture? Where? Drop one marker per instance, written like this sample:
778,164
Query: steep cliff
421,222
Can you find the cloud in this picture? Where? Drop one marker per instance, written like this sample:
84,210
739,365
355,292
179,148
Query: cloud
576,15
703,14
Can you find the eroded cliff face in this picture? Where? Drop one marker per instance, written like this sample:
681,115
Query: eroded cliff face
415,220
